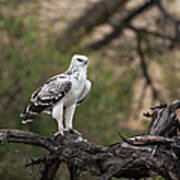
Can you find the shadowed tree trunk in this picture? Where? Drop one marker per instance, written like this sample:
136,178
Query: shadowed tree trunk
156,152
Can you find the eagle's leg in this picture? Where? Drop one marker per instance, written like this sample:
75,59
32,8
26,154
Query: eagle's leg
70,110
57,113
69,116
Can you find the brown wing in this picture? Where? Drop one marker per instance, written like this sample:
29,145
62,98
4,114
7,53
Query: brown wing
46,96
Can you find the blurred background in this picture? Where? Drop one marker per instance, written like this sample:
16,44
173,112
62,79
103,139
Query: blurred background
133,47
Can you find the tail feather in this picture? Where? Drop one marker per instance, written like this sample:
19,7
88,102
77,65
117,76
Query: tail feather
27,117
31,111
27,121
29,114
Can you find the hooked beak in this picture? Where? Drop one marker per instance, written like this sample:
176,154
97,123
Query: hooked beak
86,62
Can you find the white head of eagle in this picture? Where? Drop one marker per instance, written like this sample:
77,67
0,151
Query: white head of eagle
79,61
61,94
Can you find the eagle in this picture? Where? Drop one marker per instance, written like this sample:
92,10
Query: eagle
62,92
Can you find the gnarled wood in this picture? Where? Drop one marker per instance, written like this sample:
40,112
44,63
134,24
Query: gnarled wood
156,152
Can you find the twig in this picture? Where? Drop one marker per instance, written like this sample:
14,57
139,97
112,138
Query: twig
165,13
172,19
148,32
122,23
144,67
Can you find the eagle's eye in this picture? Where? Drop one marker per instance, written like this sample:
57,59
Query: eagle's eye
80,60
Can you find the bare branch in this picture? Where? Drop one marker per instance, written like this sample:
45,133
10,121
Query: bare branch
144,68
148,32
96,15
165,13
25,137
117,29
172,19
156,152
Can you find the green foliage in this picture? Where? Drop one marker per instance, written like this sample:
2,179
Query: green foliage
159,178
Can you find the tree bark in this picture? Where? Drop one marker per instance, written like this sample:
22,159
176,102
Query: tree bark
155,152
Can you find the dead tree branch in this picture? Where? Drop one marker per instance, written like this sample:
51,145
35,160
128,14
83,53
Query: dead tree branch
151,33
126,22
144,67
25,137
173,19
122,24
166,14
156,152
96,15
